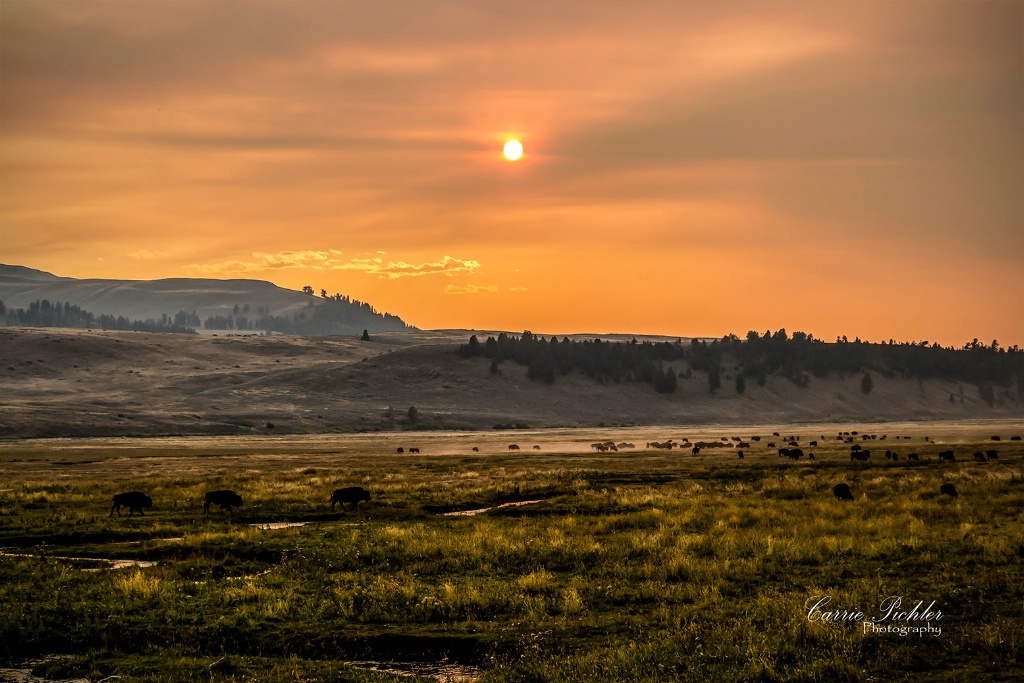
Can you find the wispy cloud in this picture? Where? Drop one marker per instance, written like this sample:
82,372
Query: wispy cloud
331,260
471,289
393,270
145,255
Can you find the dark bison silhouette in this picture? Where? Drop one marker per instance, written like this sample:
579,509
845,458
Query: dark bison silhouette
133,500
350,494
513,447
842,492
225,499
992,454
947,455
949,490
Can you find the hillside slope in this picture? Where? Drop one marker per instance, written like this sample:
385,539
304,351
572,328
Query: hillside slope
78,383
150,299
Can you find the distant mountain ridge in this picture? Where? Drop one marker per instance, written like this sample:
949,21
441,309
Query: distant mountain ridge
150,299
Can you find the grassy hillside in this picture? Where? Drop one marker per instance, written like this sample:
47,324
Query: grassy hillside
255,300
79,383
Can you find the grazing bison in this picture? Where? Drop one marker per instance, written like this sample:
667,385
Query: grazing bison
740,453
796,453
351,494
842,492
1014,438
979,456
401,450
949,490
225,499
992,454
860,455
475,449
815,443
537,448
810,456
133,500
912,456
947,455
414,450
996,438
513,447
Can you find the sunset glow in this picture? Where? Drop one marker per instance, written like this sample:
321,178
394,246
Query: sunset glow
843,168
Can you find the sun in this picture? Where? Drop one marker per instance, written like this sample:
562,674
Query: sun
513,150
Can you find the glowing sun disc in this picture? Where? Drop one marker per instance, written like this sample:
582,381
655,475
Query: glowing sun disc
513,150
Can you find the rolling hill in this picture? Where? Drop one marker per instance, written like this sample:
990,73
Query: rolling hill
150,299
61,383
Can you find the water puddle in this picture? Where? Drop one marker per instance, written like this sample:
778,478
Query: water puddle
269,526
443,672
470,513
110,563
25,676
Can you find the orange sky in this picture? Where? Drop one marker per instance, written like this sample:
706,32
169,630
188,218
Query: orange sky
691,168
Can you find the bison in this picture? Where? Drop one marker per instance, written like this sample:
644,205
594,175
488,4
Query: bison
992,454
133,500
225,499
949,490
513,447
947,455
842,492
351,494
912,456
401,450
979,456
414,450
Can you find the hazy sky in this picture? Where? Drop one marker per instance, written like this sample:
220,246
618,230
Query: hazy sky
691,168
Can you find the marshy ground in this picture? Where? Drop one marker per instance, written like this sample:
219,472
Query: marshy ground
637,565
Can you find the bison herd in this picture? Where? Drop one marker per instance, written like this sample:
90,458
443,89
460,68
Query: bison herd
137,501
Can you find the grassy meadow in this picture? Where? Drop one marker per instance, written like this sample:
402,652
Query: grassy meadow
640,565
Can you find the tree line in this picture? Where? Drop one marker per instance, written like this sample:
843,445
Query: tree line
798,358
43,313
